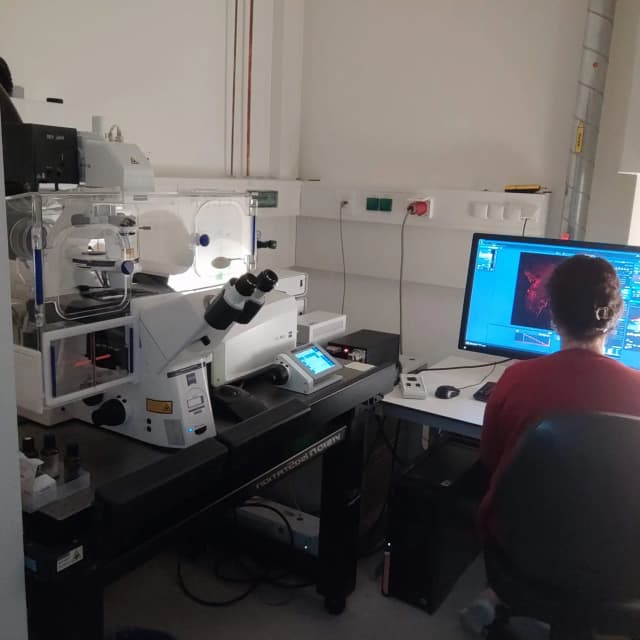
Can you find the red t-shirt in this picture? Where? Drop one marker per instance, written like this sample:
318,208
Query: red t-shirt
575,380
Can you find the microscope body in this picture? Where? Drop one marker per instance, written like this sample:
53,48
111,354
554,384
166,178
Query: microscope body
170,404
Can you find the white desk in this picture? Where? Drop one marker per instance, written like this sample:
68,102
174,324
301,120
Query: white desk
461,414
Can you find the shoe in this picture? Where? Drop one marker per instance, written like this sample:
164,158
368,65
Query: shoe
478,615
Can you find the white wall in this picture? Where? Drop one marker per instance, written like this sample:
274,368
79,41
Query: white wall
282,229
462,94
286,90
164,71
453,94
612,193
12,598
435,264
157,68
431,314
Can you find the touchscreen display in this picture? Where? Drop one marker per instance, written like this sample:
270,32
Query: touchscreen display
314,360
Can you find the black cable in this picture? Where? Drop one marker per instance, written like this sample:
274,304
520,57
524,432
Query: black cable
475,384
372,448
400,284
264,577
217,571
372,529
254,581
372,552
524,226
466,366
268,507
213,603
292,585
393,448
343,204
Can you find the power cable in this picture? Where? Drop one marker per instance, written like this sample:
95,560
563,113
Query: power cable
213,603
475,384
401,282
254,580
343,204
466,366
393,449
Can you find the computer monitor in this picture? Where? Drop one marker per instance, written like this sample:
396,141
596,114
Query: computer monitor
506,305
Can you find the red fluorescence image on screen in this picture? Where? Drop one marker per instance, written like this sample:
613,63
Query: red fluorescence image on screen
531,306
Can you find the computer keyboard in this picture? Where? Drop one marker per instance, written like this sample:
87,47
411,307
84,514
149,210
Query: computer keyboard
484,392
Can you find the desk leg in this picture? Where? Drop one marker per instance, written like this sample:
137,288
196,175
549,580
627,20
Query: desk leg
66,609
340,517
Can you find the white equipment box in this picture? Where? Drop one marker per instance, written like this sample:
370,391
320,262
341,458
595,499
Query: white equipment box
304,527
293,283
320,327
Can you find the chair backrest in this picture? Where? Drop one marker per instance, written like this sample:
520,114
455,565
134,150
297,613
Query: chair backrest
569,501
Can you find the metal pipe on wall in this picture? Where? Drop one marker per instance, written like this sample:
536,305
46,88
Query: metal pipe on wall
591,83
249,87
233,86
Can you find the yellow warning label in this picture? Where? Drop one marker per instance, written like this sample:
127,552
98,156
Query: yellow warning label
579,137
159,406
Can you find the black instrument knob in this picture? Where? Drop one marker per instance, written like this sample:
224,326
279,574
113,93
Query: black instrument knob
111,414
277,374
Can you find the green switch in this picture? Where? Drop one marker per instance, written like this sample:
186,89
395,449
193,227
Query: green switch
373,204
386,204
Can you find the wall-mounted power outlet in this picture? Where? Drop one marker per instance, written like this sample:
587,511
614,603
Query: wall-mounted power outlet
373,204
421,208
503,211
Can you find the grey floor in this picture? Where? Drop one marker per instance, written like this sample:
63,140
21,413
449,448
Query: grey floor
150,597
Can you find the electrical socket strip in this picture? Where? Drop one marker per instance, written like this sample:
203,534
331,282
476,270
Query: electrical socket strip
412,387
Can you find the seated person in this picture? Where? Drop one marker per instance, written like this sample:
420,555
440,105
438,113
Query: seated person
585,304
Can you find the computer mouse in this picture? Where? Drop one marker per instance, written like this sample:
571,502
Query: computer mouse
446,392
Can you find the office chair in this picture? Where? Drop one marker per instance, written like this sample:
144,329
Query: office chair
569,503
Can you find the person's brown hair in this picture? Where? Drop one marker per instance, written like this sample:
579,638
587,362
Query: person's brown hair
5,77
585,297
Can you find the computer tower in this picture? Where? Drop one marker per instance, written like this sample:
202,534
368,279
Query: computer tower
432,532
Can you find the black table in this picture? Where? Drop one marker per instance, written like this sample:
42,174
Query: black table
146,497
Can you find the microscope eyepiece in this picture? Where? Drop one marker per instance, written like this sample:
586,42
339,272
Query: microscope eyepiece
267,280
246,284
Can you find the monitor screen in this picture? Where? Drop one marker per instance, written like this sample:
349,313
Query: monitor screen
315,360
506,305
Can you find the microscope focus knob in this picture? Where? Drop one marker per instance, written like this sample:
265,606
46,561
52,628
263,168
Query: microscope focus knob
277,374
111,414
